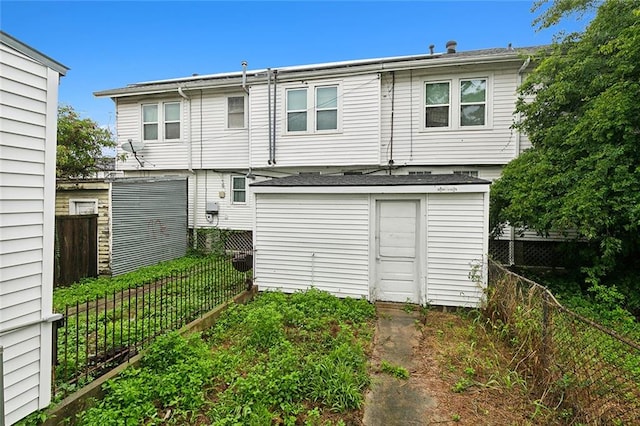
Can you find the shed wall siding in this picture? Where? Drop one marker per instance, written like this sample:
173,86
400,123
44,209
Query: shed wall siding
456,237
65,193
28,102
357,142
317,240
413,144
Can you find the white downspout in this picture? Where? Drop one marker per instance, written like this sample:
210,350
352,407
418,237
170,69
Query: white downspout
190,167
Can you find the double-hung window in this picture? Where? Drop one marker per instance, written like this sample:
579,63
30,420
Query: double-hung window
239,189
312,110
235,112
456,104
473,102
161,121
437,104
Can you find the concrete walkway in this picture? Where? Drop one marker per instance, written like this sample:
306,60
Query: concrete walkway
392,401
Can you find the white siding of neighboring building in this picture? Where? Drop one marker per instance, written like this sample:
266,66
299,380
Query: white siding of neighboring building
319,240
413,144
457,232
28,113
356,143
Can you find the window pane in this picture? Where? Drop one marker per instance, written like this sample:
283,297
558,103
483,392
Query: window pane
327,97
297,121
238,183
236,121
437,116
150,132
437,93
473,91
239,196
297,100
327,120
150,113
236,104
172,131
472,115
172,112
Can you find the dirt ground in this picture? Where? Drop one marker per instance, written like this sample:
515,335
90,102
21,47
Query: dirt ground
468,375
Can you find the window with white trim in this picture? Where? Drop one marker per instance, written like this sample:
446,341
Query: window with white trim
312,110
456,104
420,172
83,206
238,189
161,121
235,112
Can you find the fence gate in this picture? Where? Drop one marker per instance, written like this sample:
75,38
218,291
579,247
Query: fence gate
76,248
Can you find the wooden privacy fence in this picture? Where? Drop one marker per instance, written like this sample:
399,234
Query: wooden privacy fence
76,248
573,363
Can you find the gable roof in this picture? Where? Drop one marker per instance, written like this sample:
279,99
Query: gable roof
396,63
310,180
32,53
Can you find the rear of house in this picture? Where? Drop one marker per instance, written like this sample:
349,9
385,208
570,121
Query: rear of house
28,123
401,238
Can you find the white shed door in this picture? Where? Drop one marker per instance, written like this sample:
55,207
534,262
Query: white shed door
396,251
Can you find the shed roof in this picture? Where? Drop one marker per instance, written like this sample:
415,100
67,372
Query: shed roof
33,53
311,180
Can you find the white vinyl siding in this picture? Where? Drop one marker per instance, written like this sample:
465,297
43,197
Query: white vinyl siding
313,240
356,142
28,115
413,144
456,242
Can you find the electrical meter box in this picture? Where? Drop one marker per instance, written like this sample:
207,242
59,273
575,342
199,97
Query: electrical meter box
212,207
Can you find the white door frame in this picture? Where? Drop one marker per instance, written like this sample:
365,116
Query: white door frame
421,246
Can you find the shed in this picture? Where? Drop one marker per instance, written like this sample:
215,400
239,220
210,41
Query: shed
401,238
140,221
28,122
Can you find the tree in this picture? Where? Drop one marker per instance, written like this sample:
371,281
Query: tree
581,111
80,144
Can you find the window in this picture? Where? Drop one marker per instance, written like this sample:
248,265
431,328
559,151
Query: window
473,101
161,126
456,104
235,112
437,104
472,173
420,172
313,109
238,189
83,207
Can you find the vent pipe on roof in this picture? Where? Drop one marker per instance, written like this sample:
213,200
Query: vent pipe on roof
451,46
431,47
244,76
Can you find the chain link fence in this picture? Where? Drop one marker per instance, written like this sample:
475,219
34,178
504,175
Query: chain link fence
588,372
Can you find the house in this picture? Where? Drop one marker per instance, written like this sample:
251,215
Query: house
436,113
28,124
139,222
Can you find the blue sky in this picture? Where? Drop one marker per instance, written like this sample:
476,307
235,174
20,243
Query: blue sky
112,44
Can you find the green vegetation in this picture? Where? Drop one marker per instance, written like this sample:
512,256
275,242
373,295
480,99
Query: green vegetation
580,111
394,370
281,359
92,288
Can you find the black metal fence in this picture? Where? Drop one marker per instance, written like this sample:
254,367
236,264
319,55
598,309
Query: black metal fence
97,335
588,371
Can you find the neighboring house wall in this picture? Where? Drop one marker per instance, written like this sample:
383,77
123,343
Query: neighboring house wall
79,192
28,122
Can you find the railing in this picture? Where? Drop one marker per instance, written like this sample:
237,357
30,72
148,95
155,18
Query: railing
589,371
97,335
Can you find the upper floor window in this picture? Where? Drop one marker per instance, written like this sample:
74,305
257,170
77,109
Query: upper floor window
473,102
235,112
437,108
472,173
456,104
239,189
161,121
313,109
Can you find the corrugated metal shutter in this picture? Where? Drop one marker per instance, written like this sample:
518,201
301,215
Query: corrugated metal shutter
149,223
